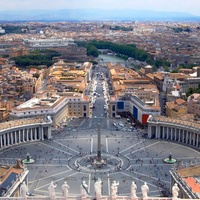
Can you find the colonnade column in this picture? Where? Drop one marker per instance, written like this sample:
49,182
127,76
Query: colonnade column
35,134
20,135
11,138
8,139
157,127
23,133
27,135
179,136
194,139
49,132
4,139
31,135
176,131
1,142
167,133
149,131
15,137
197,143
187,137
190,138
42,132
172,133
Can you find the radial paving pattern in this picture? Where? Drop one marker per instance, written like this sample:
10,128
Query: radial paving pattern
67,157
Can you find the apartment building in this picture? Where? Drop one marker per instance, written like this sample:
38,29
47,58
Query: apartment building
176,108
146,70
141,103
70,77
165,80
59,108
47,43
194,104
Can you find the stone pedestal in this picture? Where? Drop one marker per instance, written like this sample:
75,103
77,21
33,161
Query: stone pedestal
98,197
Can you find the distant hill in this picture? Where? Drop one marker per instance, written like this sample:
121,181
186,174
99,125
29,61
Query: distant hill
95,15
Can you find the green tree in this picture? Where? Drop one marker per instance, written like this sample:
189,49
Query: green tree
36,75
189,92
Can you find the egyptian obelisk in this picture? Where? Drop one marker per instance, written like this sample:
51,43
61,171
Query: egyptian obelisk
99,144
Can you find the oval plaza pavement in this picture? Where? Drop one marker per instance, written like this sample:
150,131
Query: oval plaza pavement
67,157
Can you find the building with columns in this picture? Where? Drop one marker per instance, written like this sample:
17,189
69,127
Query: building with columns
186,132
24,130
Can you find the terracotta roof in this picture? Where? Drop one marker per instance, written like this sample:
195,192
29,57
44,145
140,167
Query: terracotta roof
180,101
191,182
189,171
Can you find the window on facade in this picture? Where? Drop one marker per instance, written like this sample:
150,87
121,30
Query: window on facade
84,107
113,108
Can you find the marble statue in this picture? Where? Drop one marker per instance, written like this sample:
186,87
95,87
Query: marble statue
98,187
65,189
133,190
51,189
23,190
145,190
83,188
114,188
175,191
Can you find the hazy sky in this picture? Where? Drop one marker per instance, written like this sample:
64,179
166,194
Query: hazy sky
190,6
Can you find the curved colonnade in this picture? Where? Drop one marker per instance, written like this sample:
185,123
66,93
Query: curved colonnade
185,132
24,130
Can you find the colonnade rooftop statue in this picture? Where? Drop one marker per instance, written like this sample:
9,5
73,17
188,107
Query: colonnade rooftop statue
84,194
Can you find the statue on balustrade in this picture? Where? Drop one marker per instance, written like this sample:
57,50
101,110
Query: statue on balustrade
133,190
145,190
175,191
84,188
98,187
65,189
23,190
51,189
114,188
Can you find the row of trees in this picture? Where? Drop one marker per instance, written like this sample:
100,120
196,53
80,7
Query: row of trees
122,28
179,29
122,50
129,50
13,29
35,58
